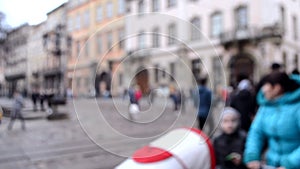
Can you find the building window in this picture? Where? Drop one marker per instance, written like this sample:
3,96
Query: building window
120,79
156,73
110,65
99,13
77,26
284,59
282,11
295,27
217,73
78,80
77,48
241,18
141,7
155,5
172,71
163,73
155,38
196,68
87,48
70,24
172,3
99,44
141,40
121,6
172,33
87,81
195,29
121,35
109,40
86,17
216,24
109,10
296,61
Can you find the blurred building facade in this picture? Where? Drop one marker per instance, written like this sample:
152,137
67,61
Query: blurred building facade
16,63
2,65
223,39
96,27
36,57
56,45
99,47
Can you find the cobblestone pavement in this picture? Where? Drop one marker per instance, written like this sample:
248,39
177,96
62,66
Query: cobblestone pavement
97,134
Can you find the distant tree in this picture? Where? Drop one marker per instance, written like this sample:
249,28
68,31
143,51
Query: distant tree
4,28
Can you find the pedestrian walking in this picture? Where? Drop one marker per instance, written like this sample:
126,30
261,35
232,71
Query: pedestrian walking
131,94
203,100
134,96
34,98
138,95
243,100
175,97
277,123
229,145
16,112
42,97
1,114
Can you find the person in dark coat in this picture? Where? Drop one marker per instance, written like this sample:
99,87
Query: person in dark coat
42,98
244,102
229,146
34,98
203,101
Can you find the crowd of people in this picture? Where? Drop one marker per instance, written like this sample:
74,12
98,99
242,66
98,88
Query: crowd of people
37,96
261,124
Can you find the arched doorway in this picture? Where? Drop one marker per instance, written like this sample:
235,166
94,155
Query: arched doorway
142,79
102,84
241,66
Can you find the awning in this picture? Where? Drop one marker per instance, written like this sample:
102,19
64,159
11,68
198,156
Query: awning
15,76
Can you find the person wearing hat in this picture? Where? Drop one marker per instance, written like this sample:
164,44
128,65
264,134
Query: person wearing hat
229,145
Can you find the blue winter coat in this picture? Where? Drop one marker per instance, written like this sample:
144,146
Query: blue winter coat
278,123
205,97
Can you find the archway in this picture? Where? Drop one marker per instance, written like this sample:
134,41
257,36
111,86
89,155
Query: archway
102,83
142,79
241,66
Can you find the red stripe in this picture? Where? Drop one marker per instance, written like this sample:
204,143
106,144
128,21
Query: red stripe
149,154
209,144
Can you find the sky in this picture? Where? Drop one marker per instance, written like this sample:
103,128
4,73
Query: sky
33,12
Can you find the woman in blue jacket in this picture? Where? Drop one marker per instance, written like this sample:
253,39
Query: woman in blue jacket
277,123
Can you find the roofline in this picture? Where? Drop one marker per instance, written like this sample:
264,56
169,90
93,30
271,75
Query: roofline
60,6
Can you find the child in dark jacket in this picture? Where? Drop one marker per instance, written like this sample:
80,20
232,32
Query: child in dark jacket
229,146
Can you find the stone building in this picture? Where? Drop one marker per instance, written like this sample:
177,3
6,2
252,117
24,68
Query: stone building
96,27
16,65
221,39
56,45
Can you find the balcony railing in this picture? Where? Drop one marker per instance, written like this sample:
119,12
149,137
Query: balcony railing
136,54
251,33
